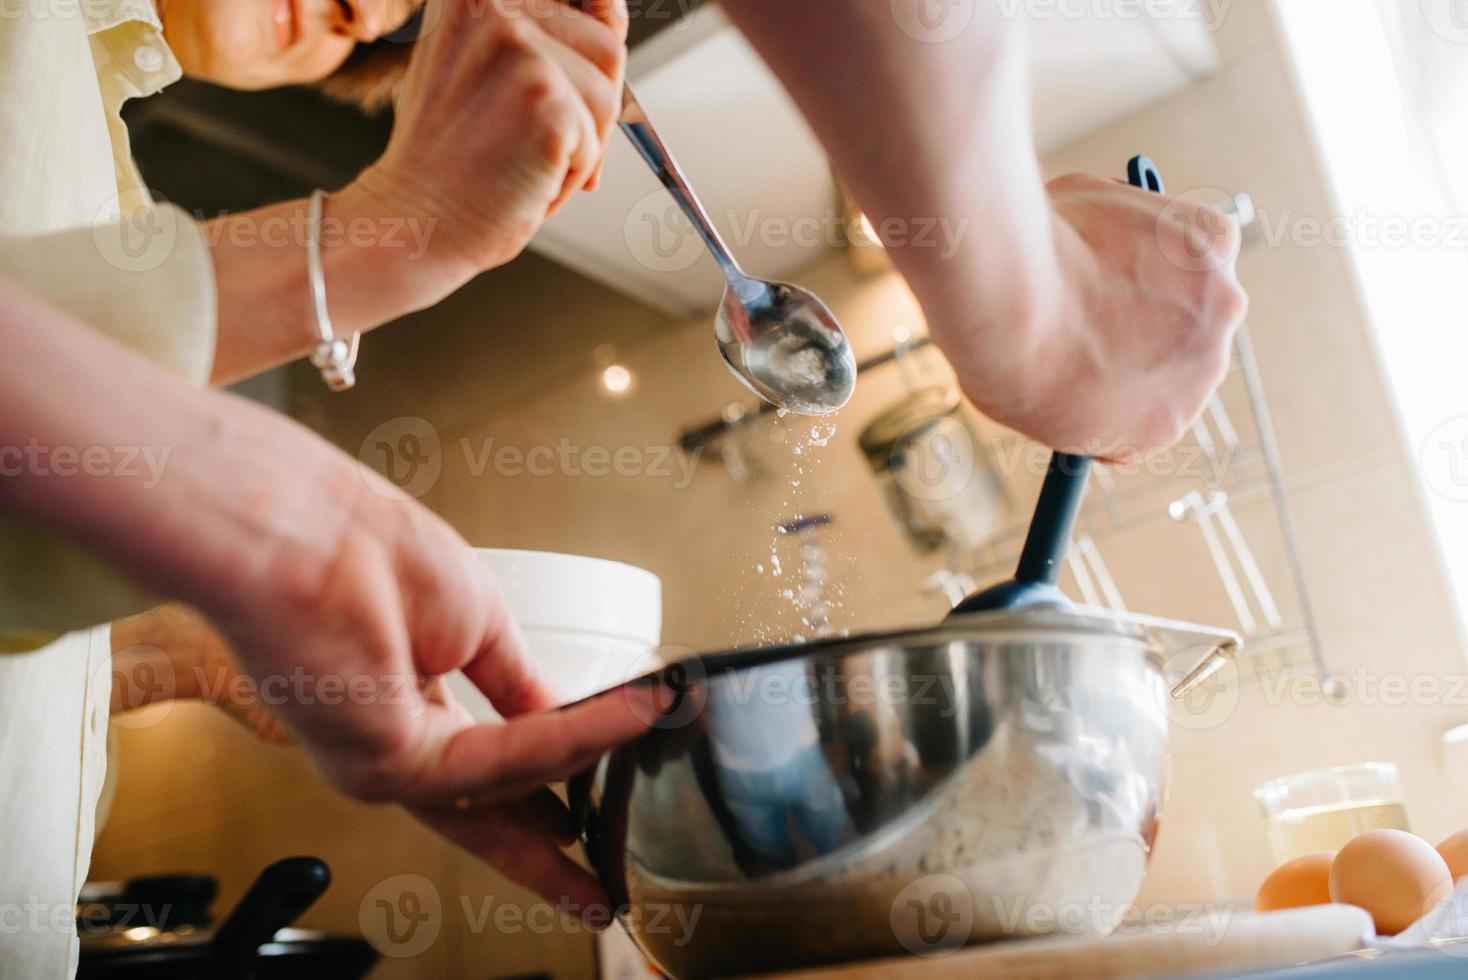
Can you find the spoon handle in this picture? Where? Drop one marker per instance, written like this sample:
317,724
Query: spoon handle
650,146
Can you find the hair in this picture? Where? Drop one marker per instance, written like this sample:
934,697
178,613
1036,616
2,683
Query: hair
372,76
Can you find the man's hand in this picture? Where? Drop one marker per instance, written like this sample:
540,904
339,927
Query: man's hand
1127,343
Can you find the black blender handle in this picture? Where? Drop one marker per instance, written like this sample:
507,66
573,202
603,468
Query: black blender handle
1055,518
276,899
1060,498
1142,172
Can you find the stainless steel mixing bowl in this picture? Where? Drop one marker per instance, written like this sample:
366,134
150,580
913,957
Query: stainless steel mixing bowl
999,775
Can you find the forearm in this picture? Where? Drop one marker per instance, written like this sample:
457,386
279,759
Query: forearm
928,132
377,265
187,491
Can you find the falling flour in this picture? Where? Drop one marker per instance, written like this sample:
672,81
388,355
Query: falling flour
810,606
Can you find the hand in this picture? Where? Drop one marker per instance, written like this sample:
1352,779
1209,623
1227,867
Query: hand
1078,314
329,585
368,601
507,112
1154,304
1132,332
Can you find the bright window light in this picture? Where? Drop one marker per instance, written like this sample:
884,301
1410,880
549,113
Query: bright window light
1404,237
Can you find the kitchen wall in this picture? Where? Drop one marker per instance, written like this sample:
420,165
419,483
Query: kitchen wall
510,363
1371,564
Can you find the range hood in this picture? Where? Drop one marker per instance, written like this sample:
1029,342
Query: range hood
765,178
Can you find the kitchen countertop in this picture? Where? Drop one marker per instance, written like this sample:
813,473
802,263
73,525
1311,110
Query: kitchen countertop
1244,941
1449,960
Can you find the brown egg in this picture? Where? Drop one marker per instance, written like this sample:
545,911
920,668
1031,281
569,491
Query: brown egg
1455,851
1395,876
1296,884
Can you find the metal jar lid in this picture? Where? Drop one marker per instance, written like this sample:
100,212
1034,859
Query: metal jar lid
906,419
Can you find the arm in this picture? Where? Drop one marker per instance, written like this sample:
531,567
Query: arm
1058,306
455,193
921,130
506,114
312,568
172,653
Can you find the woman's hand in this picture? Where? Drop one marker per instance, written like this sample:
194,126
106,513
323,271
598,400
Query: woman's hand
507,112
173,653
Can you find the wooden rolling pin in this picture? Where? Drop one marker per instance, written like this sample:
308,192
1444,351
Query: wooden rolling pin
1243,941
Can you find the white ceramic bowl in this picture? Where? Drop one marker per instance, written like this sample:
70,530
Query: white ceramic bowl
592,623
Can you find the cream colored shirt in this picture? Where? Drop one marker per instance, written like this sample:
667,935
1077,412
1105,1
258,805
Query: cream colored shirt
66,181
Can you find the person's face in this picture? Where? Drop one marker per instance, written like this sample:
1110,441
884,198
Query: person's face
254,44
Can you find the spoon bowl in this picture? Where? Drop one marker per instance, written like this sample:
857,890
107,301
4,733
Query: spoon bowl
786,346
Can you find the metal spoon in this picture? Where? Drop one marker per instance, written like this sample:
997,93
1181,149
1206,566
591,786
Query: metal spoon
779,339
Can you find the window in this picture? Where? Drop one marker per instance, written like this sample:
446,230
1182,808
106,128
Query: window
1384,82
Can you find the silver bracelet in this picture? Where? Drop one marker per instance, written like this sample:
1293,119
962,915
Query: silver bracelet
335,358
